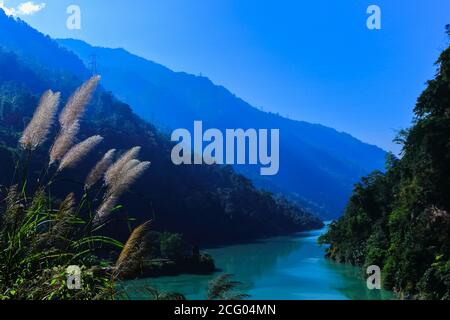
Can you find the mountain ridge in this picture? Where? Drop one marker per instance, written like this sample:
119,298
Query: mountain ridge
206,204
325,161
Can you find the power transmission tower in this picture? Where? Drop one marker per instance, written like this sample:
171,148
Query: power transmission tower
93,64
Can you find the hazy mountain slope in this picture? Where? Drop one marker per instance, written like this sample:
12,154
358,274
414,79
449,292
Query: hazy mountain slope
318,165
207,204
37,48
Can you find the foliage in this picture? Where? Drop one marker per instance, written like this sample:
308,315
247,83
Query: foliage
38,242
172,245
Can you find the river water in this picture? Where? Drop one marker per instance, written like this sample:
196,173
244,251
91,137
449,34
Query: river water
289,267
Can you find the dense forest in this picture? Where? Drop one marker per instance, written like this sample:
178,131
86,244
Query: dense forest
400,219
206,204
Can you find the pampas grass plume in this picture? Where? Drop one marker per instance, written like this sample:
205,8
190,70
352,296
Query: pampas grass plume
78,152
37,131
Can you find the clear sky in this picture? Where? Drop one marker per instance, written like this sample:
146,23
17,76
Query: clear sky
312,60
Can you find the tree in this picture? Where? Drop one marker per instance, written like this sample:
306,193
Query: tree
172,245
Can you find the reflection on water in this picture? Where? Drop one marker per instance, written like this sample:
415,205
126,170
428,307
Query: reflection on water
290,268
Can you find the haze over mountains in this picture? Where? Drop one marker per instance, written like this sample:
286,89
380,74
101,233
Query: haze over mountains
318,165
207,204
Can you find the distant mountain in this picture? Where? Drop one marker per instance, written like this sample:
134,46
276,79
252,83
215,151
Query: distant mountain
318,165
37,47
208,204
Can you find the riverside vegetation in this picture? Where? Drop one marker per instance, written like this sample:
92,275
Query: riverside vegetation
400,219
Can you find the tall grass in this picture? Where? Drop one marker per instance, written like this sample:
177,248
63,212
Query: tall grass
40,236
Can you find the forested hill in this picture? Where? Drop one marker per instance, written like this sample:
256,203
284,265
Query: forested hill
400,220
207,204
318,165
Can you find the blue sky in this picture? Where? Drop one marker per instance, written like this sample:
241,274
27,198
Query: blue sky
312,60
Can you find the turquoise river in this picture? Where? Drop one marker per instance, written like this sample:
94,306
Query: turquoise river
289,267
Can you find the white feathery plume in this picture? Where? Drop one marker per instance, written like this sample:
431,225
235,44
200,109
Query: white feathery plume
114,172
76,105
116,182
78,152
63,142
100,168
129,165
39,127
105,209
129,173
127,178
